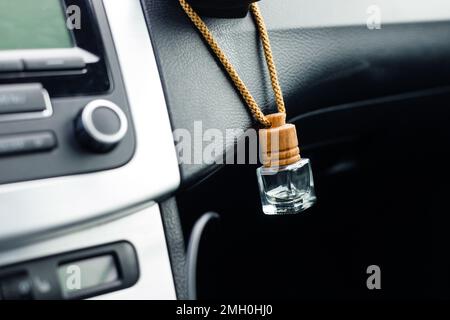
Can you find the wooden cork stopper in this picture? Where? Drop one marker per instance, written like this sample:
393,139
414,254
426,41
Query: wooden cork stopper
279,143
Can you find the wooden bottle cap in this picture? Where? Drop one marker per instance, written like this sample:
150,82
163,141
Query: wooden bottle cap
279,143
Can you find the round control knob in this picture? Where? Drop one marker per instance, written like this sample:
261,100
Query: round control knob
101,126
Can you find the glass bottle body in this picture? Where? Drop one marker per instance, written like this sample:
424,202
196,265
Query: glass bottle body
287,189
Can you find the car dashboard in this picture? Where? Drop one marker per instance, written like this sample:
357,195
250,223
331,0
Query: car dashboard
87,198
91,177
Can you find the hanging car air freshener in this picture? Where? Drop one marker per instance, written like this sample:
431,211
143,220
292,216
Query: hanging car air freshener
285,179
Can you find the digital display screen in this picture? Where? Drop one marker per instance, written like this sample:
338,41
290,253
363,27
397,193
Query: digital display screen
33,24
88,273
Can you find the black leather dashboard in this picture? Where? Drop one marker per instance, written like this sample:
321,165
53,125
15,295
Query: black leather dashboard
323,65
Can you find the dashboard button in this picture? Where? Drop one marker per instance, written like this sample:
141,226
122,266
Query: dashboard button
23,98
11,65
17,288
66,63
101,126
27,143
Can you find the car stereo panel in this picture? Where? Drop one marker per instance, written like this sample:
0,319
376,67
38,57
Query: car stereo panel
63,104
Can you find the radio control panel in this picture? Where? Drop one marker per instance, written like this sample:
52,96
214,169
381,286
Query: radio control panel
63,105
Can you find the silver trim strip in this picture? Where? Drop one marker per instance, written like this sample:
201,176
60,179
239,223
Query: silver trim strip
337,13
49,54
143,229
39,207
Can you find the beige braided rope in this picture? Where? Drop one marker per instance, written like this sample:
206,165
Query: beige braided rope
240,85
269,57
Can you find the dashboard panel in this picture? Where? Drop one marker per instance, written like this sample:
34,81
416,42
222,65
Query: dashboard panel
46,212
325,53
48,204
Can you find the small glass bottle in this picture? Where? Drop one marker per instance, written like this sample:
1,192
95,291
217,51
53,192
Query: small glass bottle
287,189
285,180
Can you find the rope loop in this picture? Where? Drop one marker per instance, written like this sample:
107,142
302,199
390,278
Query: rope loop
239,84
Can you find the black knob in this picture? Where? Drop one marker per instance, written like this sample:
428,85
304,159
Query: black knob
101,126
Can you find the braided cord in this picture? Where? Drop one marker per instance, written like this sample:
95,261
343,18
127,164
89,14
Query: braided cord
269,57
239,84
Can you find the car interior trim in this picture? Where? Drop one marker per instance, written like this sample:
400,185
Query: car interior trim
51,204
